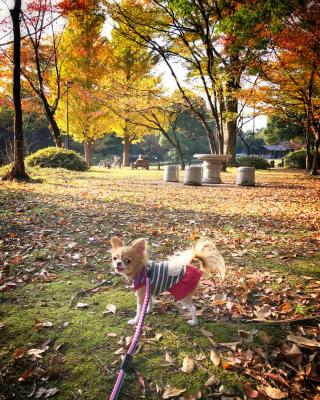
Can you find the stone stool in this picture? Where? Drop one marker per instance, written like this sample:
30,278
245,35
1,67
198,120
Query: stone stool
193,175
245,176
171,173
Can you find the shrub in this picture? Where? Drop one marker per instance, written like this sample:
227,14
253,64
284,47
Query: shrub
5,169
55,157
296,159
253,161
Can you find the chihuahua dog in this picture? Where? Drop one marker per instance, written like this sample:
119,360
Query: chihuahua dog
176,275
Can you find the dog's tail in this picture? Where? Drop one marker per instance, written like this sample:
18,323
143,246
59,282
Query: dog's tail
206,252
211,260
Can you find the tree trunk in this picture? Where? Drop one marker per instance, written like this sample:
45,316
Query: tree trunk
18,169
315,159
179,150
126,148
88,153
181,160
54,129
308,147
230,126
55,132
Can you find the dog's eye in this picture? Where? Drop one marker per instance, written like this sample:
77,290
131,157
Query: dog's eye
127,261
114,258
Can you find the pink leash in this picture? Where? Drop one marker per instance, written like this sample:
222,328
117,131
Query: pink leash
128,357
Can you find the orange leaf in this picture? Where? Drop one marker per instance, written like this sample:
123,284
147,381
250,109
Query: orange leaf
19,353
15,260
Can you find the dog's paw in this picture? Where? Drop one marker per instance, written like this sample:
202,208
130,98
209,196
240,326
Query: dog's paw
133,321
192,322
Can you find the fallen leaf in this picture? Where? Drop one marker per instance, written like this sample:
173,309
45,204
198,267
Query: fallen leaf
168,357
158,336
122,350
251,393
128,340
219,299
47,324
111,308
286,307
51,392
277,378
37,352
158,389
170,392
212,381
40,392
263,312
112,334
187,365
274,393
26,374
16,260
214,358
45,392
82,305
19,353
195,396
38,325
293,356
303,341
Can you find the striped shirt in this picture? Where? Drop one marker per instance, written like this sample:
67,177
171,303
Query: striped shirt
161,280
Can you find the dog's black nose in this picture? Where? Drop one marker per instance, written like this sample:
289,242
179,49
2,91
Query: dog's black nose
119,263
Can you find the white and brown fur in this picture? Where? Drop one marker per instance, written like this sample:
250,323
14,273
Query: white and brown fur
130,260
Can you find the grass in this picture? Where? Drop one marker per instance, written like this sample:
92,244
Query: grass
63,226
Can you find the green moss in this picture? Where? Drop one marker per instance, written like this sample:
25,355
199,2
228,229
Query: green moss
86,350
309,266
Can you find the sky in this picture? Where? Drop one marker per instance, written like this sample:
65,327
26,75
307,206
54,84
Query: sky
4,4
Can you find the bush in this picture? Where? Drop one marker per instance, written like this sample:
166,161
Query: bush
296,159
55,157
253,161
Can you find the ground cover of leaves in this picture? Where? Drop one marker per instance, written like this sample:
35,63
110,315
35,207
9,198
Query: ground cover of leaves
258,335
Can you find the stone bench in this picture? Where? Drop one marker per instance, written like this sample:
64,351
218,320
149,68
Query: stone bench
245,176
171,173
193,175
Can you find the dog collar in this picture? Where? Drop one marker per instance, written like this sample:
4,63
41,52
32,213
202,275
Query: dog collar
139,279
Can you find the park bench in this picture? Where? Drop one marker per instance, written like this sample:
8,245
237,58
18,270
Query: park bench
144,164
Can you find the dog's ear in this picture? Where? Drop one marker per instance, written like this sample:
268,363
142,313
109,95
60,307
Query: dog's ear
139,245
116,242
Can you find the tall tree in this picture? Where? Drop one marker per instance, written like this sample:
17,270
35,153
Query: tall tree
130,85
282,130
18,168
290,65
190,33
42,58
85,67
170,116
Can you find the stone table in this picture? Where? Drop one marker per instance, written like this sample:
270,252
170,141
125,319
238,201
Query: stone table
212,165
